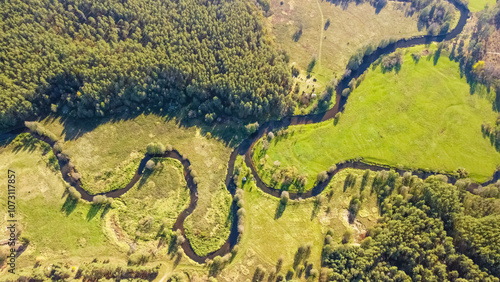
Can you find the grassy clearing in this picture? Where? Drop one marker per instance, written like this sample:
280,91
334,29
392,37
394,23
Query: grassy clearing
101,147
349,30
302,222
54,234
478,5
424,117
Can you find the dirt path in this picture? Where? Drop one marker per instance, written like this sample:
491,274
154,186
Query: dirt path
321,33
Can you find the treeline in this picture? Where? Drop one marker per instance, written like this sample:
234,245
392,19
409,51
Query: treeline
87,59
429,230
94,271
472,58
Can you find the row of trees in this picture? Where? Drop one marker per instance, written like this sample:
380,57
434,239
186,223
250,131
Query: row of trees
92,58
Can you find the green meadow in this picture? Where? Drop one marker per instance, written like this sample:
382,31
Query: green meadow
99,150
424,116
56,231
478,5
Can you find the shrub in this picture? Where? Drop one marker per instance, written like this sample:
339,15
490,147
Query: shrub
302,180
462,172
354,205
265,144
138,258
74,194
270,135
352,83
284,197
196,180
155,148
347,236
57,148
322,176
241,212
332,169
346,92
76,176
99,199
150,165
252,127
313,273
392,61
337,117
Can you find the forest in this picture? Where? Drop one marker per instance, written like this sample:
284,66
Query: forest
429,230
90,59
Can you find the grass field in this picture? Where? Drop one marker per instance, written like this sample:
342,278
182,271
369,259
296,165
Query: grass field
478,5
98,149
350,29
54,234
422,117
153,204
303,222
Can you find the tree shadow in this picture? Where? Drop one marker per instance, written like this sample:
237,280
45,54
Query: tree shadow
316,209
172,245
105,211
437,55
144,178
280,209
69,205
93,211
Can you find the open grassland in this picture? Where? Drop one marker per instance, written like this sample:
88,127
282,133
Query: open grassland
478,5
99,150
349,29
151,207
55,234
423,116
302,222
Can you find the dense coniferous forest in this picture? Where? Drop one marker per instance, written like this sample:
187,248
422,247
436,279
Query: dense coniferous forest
430,230
89,59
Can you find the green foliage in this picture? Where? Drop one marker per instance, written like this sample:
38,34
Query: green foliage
478,238
413,241
322,176
155,148
96,271
104,57
37,128
392,61
74,194
252,127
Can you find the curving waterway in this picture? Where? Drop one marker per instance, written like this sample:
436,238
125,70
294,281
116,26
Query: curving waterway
245,148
